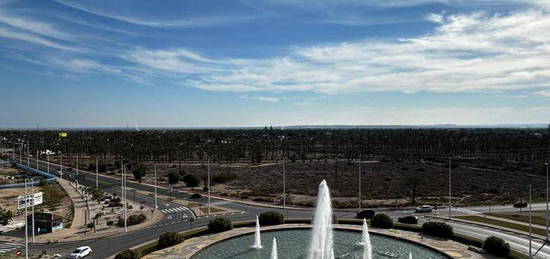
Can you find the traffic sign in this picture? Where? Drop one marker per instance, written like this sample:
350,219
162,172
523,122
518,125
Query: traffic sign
32,200
18,252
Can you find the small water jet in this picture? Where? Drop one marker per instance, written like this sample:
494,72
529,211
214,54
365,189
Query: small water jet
365,241
321,246
410,255
257,237
274,249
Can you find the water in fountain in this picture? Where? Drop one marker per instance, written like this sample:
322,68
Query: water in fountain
257,238
274,249
365,242
321,239
410,255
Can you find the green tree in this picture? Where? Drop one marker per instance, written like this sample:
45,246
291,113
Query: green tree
173,178
139,172
191,180
5,216
128,254
169,239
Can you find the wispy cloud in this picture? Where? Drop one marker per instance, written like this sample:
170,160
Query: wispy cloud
269,99
465,53
136,20
545,93
28,37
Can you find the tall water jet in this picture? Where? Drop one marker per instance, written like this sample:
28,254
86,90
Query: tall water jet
365,241
410,255
257,238
321,238
274,249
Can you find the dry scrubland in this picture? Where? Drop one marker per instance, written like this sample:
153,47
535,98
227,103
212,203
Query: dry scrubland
385,182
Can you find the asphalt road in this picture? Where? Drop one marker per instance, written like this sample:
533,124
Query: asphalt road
104,247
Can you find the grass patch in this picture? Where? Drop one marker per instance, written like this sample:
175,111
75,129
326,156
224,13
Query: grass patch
506,224
212,210
521,218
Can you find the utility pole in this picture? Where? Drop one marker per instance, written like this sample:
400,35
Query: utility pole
28,157
48,161
530,227
26,223
61,164
96,174
77,163
124,198
359,174
32,209
284,185
450,188
156,204
208,165
547,211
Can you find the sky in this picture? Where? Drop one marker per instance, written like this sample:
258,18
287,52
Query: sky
241,63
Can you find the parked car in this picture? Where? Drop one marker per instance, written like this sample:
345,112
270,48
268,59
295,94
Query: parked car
408,220
423,209
365,214
80,252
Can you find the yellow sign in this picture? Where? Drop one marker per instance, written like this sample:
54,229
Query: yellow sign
63,134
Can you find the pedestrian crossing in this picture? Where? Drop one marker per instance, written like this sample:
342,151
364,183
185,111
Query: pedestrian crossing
6,247
174,210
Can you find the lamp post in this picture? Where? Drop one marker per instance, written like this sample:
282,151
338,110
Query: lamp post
208,185
96,174
450,188
156,204
359,174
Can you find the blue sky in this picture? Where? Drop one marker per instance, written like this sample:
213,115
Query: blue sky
190,63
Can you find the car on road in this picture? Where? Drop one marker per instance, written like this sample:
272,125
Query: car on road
408,219
520,204
423,209
80,252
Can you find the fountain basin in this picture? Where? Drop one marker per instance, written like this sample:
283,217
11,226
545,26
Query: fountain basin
294,244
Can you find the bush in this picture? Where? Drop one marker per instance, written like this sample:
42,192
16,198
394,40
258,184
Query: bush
191,180
271,218
408,220
219,225
496,246
223,177
365,214
382,221
128,254
196,196
438,229
132,220
169,239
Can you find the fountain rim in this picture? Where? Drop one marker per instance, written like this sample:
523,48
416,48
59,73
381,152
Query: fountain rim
310,226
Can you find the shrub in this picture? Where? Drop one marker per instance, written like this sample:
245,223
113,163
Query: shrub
496,246
191,180
223,177
365,214
382,221
169,239
408,220
132,220
196,196
128,254
438,229
219,225
271,218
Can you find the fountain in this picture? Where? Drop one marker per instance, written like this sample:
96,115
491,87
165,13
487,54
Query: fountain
257,238
410,255
321,246
365,241
274,249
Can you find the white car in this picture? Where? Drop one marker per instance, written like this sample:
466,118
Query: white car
80,252
424,208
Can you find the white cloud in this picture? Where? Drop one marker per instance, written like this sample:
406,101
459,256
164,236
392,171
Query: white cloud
465,53
545,93
262,98
31,38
